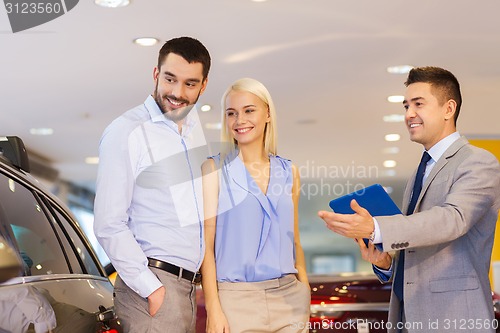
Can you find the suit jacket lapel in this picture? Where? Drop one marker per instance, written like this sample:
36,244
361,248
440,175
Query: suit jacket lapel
452,150
408,190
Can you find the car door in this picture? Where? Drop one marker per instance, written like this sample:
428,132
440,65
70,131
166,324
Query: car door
62,287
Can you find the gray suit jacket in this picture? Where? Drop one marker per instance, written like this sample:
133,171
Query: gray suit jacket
448,242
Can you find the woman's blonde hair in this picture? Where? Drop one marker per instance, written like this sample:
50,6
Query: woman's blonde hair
270,133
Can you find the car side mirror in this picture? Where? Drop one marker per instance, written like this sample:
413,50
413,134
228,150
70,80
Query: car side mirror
12,148
10,262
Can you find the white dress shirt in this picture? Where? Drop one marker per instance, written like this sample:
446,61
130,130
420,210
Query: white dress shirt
148,195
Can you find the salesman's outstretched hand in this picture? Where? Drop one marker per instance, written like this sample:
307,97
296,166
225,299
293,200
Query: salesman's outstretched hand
357,225
373,255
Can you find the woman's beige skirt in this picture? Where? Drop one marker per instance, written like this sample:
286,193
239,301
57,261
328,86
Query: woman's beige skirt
279,305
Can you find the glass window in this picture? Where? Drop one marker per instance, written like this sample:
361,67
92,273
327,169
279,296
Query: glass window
332,263
79,245
76,265
86,221
37,242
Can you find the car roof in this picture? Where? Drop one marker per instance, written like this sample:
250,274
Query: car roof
27,179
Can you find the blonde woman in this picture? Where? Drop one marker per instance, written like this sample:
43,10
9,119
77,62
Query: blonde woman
253,275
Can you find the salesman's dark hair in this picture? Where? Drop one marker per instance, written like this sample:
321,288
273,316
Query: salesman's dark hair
192,50
444,84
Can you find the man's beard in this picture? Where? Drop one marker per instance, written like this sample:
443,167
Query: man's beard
175,115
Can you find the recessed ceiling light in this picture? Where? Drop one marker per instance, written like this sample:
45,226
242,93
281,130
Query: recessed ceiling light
390,150
41,131
205,108
112,3
392,137
390,163
396,99
389,172
402,69
259,0
146,41
394,118
214,126
92,160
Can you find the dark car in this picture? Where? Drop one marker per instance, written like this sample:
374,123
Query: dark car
348,303
61,286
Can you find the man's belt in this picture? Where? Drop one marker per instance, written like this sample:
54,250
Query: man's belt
176,270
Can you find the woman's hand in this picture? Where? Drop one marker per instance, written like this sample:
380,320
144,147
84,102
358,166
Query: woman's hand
217,322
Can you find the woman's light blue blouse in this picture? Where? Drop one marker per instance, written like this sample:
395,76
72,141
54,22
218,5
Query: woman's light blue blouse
254,239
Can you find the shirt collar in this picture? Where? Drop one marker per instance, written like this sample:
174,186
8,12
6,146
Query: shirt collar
439,148
157,116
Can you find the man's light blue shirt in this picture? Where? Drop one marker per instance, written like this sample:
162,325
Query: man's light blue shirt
148,195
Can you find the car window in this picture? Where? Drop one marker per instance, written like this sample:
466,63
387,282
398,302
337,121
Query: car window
76,265
85,218
35,237
81,248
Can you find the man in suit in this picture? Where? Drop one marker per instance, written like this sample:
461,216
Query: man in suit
444,241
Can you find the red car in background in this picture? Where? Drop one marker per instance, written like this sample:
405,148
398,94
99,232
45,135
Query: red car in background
347,303
339,303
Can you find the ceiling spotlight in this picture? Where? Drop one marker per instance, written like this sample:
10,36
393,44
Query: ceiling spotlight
146,41
396,99
259,0
214,126
205,108
112,3
403,69
392,137
389,173
394,118
92,160
390,163
390,150
41,131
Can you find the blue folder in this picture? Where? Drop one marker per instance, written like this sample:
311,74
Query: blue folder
373,198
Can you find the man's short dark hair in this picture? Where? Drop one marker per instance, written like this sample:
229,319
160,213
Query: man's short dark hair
443,82
192,50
